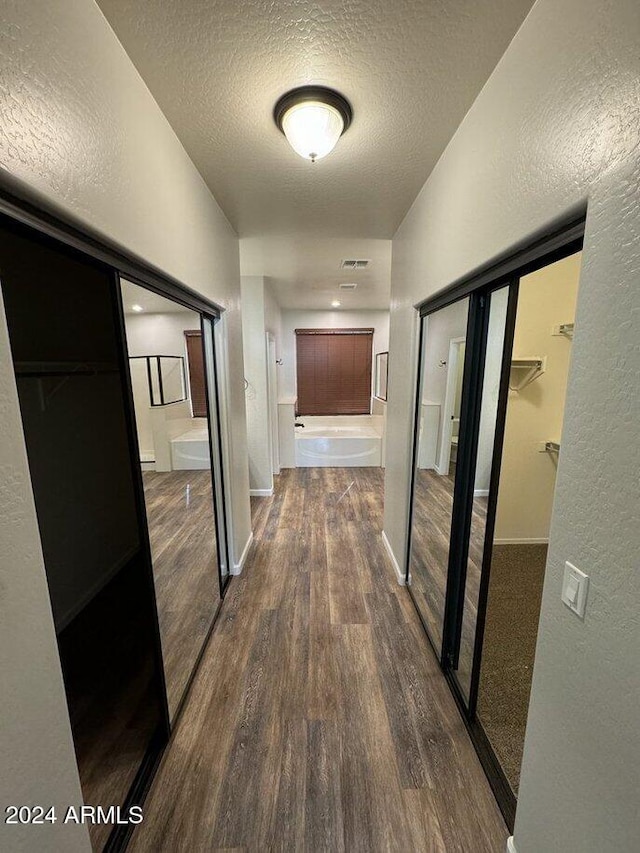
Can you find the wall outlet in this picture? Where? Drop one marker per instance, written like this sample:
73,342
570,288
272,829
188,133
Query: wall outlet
575,586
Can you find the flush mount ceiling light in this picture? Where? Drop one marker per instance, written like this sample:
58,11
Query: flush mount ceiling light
313,118
137,308
335,304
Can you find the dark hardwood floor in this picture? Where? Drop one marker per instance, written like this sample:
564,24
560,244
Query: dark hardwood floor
182,531
319,719
431,531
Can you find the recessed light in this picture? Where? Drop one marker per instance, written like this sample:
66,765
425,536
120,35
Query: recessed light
335,304
137,308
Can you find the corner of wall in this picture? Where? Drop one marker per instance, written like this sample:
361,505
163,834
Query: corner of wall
400,577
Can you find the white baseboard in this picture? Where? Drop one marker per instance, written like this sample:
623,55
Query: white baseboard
511,847
520,541
261,493
238,567
399,574
481,493
444,472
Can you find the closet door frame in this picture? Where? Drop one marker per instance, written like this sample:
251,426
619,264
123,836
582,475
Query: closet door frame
557,243
46,224
218,478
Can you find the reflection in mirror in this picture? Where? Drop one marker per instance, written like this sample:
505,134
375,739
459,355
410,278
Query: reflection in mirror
172,382
528,466
382,367
164,376
176,462
439,395
488,415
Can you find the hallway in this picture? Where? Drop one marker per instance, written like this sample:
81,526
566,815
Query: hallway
319,719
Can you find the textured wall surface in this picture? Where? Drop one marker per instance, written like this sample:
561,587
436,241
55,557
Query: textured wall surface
79,129
557,126
411,70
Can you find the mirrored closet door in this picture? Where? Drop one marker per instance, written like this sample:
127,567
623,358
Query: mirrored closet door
442,359
177,429
483,439
73,386
492,375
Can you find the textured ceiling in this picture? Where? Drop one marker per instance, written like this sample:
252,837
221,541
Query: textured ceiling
411,69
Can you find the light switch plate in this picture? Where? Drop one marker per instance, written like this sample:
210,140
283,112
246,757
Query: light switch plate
574,589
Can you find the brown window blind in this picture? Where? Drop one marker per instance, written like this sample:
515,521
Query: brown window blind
334,371
196,373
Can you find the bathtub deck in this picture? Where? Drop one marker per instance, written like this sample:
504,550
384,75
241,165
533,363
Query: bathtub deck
341,441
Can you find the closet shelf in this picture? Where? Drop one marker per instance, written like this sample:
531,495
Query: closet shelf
525,370
41,369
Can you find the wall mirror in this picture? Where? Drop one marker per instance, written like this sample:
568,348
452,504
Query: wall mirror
382,363
165,376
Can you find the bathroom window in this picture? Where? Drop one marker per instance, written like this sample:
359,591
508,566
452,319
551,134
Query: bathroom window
334,371
196,373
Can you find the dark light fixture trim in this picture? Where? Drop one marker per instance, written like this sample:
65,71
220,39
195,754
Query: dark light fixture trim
322,94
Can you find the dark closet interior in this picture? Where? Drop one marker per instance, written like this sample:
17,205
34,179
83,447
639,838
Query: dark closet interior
66,342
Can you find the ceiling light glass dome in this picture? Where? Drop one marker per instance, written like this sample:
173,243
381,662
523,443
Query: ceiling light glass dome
313,118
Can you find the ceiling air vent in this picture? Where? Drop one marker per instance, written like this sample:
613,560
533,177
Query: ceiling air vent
353,264
348,286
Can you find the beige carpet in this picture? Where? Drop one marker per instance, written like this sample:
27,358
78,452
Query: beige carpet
513,612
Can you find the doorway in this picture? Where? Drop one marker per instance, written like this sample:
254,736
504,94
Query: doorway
453,400
480,514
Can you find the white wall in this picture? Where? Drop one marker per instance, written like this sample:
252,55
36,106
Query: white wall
272,315
556,126
150,334
491,388
441,328
260,313
154,334
546,298
292,320
82,134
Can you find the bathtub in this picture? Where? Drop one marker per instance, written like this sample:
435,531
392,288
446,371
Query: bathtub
190,450
340,441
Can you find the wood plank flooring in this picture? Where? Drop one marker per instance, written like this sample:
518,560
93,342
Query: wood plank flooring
431,531
182,534
319,719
